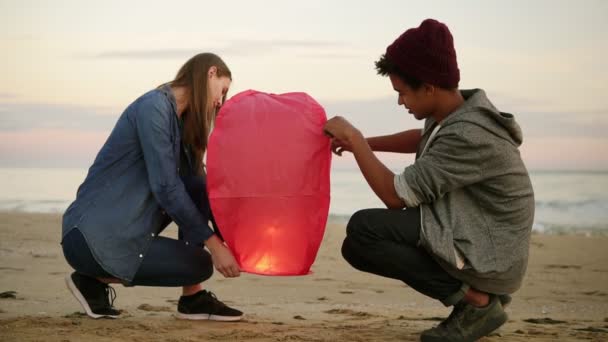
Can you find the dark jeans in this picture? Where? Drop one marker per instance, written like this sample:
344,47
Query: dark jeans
168,262
385,242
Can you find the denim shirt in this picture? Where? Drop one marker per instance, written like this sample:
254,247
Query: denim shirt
119,208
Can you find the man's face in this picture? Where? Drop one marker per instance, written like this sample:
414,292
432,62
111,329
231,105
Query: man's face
417,101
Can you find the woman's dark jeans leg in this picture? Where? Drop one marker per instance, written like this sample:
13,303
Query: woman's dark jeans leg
168,262
384,242
171,262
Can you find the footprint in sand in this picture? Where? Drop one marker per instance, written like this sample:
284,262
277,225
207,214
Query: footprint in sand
75,314
152,308
533,332
595,293
12,269
8,295
421,318
43,255
593,329
554,266
323,279
352,313
346,292
545,320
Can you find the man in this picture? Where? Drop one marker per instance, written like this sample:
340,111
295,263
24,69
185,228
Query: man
464,236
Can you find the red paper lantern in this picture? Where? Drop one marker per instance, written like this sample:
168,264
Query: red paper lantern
268,165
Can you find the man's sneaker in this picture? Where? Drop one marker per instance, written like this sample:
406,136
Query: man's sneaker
95,297
468,323
204,305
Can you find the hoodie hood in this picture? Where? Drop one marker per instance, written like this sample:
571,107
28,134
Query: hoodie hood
478,110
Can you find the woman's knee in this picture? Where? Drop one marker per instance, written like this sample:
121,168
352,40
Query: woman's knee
205,269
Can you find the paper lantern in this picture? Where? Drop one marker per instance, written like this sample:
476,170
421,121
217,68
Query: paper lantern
268,165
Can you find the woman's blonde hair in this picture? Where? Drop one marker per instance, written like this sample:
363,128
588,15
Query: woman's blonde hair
199,115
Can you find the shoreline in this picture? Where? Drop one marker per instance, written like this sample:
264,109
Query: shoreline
342,219
564,297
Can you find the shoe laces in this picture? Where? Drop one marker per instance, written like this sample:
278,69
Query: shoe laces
215,299
454,315
217,304
110,295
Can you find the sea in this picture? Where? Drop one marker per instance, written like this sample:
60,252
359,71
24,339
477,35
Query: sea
567,202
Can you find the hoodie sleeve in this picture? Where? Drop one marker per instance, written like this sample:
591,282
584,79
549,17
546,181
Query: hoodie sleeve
458,156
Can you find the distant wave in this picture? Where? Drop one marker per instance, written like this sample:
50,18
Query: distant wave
38,206
569,204
552,217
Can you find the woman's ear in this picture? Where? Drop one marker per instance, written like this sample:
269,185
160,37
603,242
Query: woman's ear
212,71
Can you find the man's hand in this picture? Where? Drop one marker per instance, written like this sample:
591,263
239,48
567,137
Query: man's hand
342,134
337,147
223,260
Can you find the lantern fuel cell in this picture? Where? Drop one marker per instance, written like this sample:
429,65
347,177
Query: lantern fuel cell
268,165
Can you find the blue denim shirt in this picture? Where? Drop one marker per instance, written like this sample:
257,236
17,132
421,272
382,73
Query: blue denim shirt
133,180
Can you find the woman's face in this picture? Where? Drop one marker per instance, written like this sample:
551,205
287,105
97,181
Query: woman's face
218,87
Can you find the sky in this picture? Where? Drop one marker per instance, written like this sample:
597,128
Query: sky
69,68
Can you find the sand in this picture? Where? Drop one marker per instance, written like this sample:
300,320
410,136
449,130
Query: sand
564,297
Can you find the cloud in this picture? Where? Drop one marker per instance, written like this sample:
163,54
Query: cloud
27,116
311,48
383,115
7,96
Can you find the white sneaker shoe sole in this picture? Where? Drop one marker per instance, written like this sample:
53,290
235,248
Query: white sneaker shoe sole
80,298
208,317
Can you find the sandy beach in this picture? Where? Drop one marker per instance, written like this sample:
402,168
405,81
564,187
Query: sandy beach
564,297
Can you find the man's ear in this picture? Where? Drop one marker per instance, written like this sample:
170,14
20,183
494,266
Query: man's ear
429,89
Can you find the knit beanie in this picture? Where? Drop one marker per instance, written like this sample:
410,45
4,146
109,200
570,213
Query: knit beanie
427,53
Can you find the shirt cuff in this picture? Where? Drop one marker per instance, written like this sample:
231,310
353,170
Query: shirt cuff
197,236
404,191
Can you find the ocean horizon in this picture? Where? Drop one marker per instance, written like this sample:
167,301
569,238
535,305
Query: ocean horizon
567,201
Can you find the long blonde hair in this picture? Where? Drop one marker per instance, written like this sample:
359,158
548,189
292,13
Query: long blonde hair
199,114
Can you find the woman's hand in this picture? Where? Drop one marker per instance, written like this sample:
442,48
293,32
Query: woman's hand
342,134
222,257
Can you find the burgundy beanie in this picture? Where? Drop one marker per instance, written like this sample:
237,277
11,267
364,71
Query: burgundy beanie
427,53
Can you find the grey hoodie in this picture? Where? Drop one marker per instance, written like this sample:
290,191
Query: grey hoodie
474,193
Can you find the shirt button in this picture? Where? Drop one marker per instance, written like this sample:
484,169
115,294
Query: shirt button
152,234
141,255
187,243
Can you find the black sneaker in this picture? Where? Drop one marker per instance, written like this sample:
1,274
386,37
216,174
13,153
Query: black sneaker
204,305
468,323
95,297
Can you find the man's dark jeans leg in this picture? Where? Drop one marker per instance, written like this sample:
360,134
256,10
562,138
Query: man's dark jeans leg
384,242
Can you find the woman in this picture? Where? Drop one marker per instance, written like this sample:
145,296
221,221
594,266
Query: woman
148,173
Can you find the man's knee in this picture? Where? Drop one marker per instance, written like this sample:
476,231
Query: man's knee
357,231
359,223
349,251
